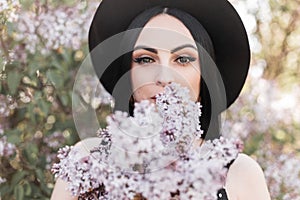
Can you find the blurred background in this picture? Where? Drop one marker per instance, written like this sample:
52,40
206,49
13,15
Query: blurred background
43,43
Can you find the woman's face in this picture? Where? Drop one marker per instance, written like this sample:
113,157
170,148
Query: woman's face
165,52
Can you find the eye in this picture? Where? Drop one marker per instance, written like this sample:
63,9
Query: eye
143,60
184,60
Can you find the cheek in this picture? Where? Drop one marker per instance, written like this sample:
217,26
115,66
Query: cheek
190,78
138,95
140,84
140,77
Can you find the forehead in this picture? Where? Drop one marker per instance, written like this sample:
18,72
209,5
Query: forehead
165,32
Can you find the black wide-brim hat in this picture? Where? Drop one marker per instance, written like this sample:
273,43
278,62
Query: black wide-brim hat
218,17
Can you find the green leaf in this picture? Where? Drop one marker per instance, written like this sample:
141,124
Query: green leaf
55,77
17,177
56,64
26,3
20,114
13,81
13,136
44,106
67,56
64,99
41,178
37,95
27,188
33,67
31,153
39,174
19,192
32,115
45,189
37,194
5,189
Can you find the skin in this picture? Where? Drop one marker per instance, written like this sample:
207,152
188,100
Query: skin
155,63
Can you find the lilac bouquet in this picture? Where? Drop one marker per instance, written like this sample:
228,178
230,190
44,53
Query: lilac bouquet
153,155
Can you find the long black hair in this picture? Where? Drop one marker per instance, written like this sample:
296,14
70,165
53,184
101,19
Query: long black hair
208,96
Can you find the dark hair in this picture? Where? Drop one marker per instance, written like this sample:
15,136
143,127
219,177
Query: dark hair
209,120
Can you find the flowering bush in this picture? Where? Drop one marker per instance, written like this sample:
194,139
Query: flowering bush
270,130
43,43
41,46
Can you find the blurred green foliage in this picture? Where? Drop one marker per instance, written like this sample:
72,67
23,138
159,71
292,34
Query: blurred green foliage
42,89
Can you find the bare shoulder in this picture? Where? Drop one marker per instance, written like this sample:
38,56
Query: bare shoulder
83,147
245,179
245,163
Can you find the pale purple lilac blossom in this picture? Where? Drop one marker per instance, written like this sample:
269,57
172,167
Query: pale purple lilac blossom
6,149
51,28
52,143
2,180
7,105
253,112
9,9
282,175
265,110
198,172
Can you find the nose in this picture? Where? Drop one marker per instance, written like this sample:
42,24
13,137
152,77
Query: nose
164,76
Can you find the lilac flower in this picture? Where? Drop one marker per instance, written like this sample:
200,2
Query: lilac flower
6,148
52,28
2,180
253,112
8,10
54,140
7,104
131,157
282,175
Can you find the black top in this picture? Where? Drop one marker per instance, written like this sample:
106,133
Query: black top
221,194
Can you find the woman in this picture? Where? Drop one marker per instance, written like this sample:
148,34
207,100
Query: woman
180,41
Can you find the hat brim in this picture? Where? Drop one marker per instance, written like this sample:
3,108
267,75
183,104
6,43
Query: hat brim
218,17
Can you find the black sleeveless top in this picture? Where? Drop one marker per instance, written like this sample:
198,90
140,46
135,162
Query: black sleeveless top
221,194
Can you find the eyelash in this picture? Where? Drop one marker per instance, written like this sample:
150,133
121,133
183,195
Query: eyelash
189,58
141,60
147,60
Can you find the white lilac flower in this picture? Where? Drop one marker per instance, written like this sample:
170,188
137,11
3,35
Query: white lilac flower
54,140
7,104
131,157
282,175
6,148
2,180
9,9
54,27
253,112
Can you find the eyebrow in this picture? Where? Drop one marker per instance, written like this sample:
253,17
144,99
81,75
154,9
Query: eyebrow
172,51
183,46
145,48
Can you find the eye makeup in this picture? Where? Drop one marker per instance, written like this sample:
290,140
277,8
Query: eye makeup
143,60
184,60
